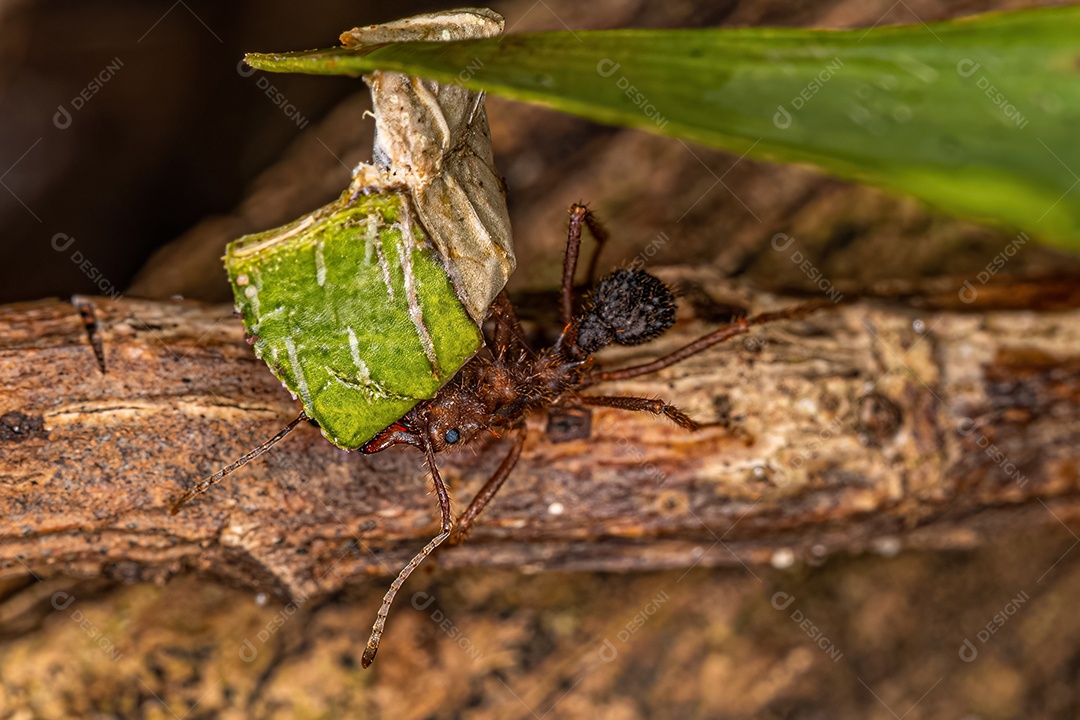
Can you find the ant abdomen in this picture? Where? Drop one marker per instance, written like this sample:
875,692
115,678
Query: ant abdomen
628,307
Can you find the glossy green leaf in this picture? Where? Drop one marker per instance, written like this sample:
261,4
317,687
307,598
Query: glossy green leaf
354,313
977,116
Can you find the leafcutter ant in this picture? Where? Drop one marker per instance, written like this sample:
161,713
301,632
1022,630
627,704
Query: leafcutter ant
496,389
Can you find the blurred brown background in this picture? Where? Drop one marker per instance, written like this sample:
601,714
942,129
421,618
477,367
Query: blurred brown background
179,145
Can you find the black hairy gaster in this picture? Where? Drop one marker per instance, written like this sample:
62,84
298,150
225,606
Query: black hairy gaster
628,307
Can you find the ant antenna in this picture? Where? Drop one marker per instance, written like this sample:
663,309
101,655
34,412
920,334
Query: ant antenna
380,620
213,479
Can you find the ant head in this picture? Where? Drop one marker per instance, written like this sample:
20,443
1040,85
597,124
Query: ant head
454,419
451,419
628,307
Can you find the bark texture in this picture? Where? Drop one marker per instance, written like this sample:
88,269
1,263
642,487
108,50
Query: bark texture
872,425
89,461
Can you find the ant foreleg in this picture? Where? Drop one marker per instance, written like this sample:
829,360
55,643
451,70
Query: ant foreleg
466,519
579,215
638,404
739,327
384,609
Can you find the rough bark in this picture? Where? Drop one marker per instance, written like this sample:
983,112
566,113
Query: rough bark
872,425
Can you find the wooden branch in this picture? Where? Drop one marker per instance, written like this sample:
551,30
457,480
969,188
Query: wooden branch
857,428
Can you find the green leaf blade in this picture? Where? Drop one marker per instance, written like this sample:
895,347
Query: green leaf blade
976,116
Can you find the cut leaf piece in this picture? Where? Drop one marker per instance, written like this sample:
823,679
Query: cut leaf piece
353,311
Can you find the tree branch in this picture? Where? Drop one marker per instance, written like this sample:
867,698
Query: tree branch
853,429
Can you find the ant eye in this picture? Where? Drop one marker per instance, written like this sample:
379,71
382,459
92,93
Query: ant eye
452,435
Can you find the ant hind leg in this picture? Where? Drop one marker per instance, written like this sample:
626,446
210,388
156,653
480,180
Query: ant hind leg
740,327
638,404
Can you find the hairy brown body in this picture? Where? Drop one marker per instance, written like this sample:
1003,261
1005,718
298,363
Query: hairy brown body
492,393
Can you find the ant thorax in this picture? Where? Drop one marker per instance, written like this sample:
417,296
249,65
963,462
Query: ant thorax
491,393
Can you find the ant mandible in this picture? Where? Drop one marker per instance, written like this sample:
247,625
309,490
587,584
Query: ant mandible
496,389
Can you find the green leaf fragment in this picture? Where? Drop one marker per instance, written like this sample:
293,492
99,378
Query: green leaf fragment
353,311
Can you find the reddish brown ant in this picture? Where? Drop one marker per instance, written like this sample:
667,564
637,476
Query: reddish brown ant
500,386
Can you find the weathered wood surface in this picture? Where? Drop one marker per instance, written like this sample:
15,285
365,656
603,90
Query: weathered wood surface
858,428
528,645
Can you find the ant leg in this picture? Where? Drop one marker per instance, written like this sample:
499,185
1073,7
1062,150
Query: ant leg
466,519
601,235
213,479
507,327
739,327
384,609
637,404
578,213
